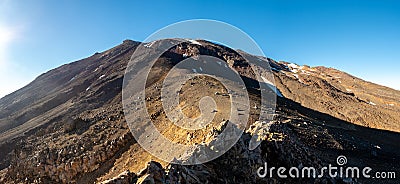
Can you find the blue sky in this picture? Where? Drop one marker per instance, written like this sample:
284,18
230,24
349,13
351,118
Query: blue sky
359,37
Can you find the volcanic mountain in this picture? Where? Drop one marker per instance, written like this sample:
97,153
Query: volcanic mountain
69,125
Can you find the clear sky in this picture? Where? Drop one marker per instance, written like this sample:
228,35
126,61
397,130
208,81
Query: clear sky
358,37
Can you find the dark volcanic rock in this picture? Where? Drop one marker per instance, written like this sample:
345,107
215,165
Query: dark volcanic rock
68,125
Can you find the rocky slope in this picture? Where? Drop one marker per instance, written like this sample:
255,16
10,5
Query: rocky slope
341,95
68,125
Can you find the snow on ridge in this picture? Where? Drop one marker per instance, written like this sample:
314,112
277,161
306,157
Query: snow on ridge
292,65
193,41
148,45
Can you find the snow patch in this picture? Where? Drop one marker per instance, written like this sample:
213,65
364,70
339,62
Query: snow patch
98,68
72,79
391,104
193,41
102,76
88,88
148,45
292,65
372,103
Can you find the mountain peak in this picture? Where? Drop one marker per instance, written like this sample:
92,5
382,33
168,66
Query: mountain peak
69,124
130,42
